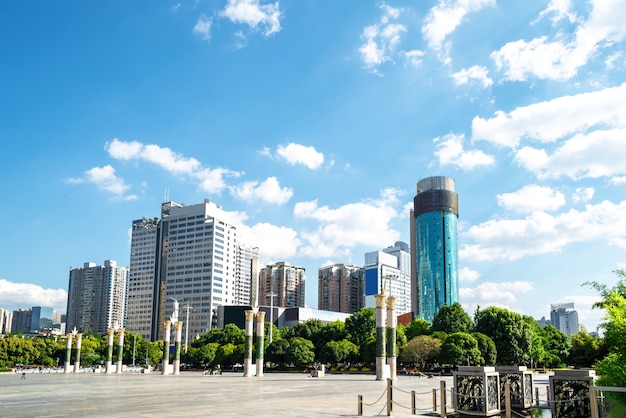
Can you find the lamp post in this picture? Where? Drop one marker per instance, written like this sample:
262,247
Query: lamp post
271,295
134,339
187,327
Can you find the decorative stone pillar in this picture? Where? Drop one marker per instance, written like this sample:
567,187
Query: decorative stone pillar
109,362
120,349
166,347
392,321
260,342
382,370
68,353
570,392
477,391
247,357
177,340
79,343
520,380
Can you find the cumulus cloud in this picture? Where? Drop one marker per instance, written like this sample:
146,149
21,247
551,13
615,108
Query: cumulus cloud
266,191
443,19
542,233
203,28
278,242
495,294
257,16
26,295
553,119
104,178
559,10
478,73
532,198
210,180
561,58
467,275
381,39
583,194
364,223
593,155
300,154
450,151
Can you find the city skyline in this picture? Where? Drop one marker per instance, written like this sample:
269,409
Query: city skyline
310,123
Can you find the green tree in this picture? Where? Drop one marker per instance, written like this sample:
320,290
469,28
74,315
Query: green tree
205,355
556,346
226,355
421,351
361,325
586,349
300,352
509,331
417,327
451,319
460,348
277,351
335,352
487,349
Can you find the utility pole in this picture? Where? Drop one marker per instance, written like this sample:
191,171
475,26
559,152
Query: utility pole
187,307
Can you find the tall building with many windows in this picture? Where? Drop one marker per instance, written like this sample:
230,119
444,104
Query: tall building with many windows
5,321
564,317
434,254
285,282
389,268
96,297
246,275
340,288
142,276
190,257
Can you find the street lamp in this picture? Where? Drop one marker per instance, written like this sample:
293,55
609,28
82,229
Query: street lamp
134,339
271,295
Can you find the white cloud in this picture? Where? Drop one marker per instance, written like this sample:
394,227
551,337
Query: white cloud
364,223
20,295
267,191
450,151
594,155
414,57
104,178
444,18
494,294
203,28
476,72
550,120
467,275
254,14
618,180
532,198
382,39
583,194
542,233
300,154
278,242
210,180
561,58
559,9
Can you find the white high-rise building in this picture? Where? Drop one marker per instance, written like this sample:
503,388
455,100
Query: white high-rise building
246,275
564,318
142,277
389,268
5,321
96,298
197,264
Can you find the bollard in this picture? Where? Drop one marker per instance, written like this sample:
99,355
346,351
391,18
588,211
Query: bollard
536,396
389,397
442,387
434,400
359,407
413,406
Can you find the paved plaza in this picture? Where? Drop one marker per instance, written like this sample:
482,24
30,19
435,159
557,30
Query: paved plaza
192,394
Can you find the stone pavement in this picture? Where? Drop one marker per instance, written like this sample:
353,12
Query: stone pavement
192,394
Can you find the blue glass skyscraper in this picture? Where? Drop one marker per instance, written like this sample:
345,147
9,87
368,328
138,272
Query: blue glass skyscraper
434,254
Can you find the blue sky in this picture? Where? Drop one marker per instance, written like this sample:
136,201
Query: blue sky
311,121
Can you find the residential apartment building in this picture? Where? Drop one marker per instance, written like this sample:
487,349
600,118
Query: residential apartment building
341,288
246,275
6,317
285,282
96,299
434,253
